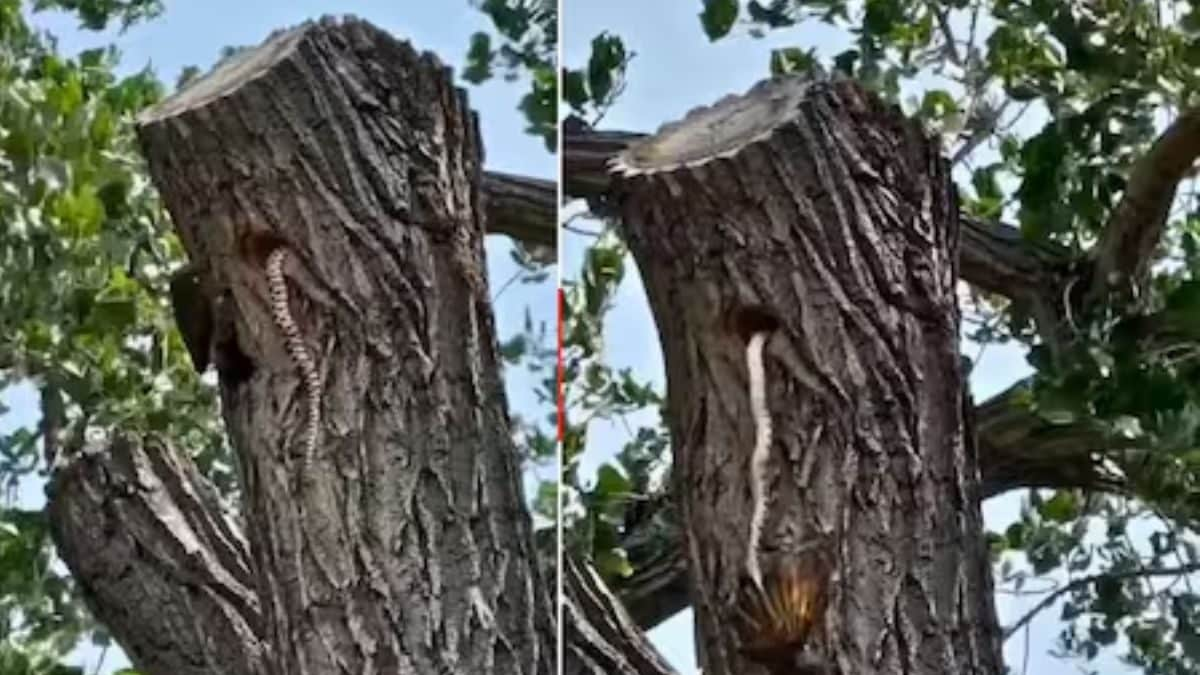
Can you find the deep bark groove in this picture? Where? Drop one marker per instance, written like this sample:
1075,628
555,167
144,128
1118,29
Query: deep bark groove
836,217
407,547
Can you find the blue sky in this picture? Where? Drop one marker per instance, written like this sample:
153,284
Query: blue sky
193,33
676,69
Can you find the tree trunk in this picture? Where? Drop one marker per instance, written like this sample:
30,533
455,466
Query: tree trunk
361,389
812,222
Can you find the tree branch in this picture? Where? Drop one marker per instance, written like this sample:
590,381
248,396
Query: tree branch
1134,229
599,637
943,21
995,258
1018,449
586,154
657,589
523,208
157,561
1084,581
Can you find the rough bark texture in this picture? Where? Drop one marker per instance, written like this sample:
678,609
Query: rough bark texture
405,547
524,208
599,637
158,561
819,215
1017,449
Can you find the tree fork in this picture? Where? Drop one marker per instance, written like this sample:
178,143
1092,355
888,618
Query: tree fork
358,156
815,204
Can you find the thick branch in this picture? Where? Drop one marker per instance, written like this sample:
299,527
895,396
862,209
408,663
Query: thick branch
1018,449
1136,226
586,154
995,258
157,561
599,637
523,208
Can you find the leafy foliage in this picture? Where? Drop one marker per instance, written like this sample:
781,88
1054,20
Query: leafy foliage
528,42
527,37
534,349
86,252
601,513
591,90
96,14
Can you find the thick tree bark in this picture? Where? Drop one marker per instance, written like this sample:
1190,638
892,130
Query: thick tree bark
158,561
402,544
815,215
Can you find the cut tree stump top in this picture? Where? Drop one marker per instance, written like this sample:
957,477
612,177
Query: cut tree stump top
719,130
228,75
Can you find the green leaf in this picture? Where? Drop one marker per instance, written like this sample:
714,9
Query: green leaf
793,60
1063,507
546,502
718,18
81,212
610,481
776,14
574,89
1015,535
96,14
937,104
479,59
606,61
1183,308
514,349
613,563
882,16
845,61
